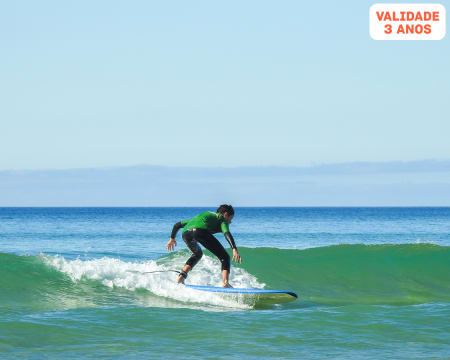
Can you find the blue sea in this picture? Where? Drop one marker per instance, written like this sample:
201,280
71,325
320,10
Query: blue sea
373,283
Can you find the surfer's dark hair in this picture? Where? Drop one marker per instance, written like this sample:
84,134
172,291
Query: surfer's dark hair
225,209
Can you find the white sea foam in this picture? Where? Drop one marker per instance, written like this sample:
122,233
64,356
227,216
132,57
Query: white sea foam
113,272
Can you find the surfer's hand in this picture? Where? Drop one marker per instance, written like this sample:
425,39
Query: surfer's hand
171,244
236,256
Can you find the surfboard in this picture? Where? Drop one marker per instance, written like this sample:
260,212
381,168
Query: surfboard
261,296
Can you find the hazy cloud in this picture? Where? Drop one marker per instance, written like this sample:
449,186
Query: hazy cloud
417,183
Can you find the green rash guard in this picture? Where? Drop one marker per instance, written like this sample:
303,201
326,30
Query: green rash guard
211,221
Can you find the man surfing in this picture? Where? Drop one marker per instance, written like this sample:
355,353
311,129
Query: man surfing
199,229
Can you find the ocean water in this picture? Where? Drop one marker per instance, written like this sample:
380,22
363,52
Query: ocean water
373,283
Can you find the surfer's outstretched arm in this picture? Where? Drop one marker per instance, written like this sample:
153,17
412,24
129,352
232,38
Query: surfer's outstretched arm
172,243
175,229
236,256
226,232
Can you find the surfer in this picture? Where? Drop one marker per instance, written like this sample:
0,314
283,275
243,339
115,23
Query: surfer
199,229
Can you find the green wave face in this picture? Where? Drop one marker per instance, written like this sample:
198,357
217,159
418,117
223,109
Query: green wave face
27,282
356,274
334,275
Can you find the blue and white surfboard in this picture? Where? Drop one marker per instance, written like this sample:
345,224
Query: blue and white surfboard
265,296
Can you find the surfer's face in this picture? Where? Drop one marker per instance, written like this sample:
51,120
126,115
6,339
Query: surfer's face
228,218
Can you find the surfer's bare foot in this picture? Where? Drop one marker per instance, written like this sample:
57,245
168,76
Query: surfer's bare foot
226,285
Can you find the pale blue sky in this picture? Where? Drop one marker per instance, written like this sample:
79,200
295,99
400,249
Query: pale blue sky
205,83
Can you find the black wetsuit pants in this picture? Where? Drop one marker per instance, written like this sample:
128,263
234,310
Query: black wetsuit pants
204,237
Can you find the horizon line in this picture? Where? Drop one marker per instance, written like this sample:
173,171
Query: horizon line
313,165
